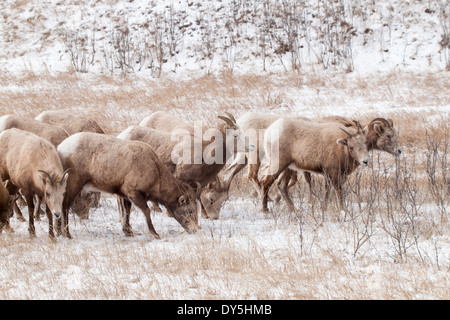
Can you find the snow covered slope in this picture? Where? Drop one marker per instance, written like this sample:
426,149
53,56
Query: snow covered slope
192,37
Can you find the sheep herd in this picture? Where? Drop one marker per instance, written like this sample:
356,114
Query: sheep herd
65,161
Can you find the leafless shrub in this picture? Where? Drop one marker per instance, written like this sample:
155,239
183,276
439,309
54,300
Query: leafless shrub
335,36
444,20
81,47
123,49
437,170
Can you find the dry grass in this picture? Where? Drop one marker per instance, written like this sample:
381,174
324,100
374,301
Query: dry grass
309,254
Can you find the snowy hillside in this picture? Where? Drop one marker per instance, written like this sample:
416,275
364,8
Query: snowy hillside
191,37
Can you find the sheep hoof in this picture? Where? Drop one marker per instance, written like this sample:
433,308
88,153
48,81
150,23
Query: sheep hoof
128,232
32,232
67,235
155,236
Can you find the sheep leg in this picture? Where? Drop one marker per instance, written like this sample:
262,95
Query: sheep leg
64,223
293,179
31,209
308,179
283,181
96,199
58,227
155,207
253,170
327,194
266,183
51,235
19,214
139,201
125,211
37,208
253,176
338,187
73,189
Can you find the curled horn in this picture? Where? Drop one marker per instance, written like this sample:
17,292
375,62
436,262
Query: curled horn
358,125
382,120
48,175
66,172
231,117
227,120
348,134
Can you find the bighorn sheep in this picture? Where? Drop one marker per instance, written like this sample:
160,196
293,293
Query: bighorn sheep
253,125
193,170
381,136
7,200
49,132
324,148
163,121
52,133
33,165
129,169
70,122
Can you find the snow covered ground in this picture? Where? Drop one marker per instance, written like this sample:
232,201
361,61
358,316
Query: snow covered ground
244,255
191,37
198,59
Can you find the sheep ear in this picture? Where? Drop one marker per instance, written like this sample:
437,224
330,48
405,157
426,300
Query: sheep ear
341,141
183,200
366,130
44,177
378,128
391,122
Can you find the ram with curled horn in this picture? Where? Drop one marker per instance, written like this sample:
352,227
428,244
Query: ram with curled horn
381,135
314,147
159,130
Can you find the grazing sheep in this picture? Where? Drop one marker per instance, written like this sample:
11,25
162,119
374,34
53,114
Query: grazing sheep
72,123
161,138
33,165
324,148
7,199
52,133
191,171
129,169
67,120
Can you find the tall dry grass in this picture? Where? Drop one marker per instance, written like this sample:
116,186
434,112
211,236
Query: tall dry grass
392,243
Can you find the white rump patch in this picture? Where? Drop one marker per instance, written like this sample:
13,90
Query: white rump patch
69,145
144,121
3,121
125,135
40,116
